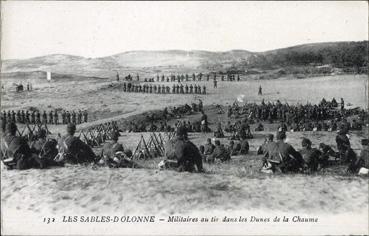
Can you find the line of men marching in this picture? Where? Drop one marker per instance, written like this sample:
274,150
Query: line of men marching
176,89
186,77
51,117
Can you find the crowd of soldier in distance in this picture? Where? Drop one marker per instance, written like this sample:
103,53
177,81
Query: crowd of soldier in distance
38,117
162,89
186,77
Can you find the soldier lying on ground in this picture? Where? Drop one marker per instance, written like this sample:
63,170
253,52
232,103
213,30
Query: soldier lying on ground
46,149
282,157
113,155
310,156
15,152
181,154
72,150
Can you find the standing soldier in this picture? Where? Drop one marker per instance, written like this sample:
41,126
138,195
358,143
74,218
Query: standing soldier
260,91
68,117
207,77
216,82
56,117
186,88
238,77
28,120
174,88
182,91
13,117
33,117
23,117
163,89
79,117
51,117
204,89
159,89
73,117
124,87
38,117
19,118
44,117
193,77
168,89
191,89
150,89
195,89
64,117
199,89
85,114
177,88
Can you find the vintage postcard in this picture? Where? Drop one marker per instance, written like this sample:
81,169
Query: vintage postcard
184,118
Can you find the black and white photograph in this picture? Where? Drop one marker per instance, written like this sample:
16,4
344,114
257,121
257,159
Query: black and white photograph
184,118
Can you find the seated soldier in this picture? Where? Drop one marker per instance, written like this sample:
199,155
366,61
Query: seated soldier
72,150
282,157
45,149
109,150
209,148
361,164
260,127
219,153
16,153
219,132
244,147
327,153
310,156
233,149
263,148
343,145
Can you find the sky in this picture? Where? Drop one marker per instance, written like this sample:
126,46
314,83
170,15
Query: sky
97,29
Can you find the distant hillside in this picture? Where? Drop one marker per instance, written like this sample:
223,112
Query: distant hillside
337,54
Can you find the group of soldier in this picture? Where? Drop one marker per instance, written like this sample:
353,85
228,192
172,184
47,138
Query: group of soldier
282,157
162,89
308,117
185,77
51,117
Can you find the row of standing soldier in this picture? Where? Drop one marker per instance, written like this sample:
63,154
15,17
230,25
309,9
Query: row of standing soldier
51,117
176,89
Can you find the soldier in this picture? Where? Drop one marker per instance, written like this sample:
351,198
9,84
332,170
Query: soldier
23,117
45,148
168,89
181,89
15,151
177,88
260,92
108,152
283,157
219,132
28,120
326,153
33,117
186,89
72,150
80,117
51,117
19,117
198,89
56,117
208,150
244,147
216,83
163,89
13,119
38,117
310,156
220,152
174,89
159,89
85,116
204,122
64,118
150,89
191,89
182,154
74,117
124,87
343,145
204,89
68,120
195,88
44,117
